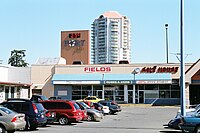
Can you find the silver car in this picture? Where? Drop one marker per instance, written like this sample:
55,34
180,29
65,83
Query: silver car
10,120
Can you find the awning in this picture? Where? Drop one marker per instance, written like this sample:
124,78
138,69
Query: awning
164,78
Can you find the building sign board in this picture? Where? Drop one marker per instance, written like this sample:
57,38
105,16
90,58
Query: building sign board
97,69
156,69
154,82
117,82
76,82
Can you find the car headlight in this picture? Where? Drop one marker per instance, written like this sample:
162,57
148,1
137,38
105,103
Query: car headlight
182,121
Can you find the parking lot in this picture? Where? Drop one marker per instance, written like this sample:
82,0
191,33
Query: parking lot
138,119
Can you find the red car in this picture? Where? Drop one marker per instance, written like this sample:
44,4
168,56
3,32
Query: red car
66,111
90,104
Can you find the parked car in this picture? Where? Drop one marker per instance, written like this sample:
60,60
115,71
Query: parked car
10,120
89,103
34,112
114,107
100,107
91,99
173,124
190,124
93,114
66,111
55,98
51,117
84,111
37,98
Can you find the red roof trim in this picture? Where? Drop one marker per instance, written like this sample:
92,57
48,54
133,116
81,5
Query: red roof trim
16,84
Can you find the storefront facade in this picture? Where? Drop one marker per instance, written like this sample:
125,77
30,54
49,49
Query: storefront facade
124,83
14,82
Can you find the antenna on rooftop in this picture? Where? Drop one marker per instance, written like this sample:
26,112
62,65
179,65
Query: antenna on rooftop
178,56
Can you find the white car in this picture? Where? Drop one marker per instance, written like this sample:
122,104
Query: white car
106,110
100,107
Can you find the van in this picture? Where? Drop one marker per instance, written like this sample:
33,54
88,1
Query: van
66,111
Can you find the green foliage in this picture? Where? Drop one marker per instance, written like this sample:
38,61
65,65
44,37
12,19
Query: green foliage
16,58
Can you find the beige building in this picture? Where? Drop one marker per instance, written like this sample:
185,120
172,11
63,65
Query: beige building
126,83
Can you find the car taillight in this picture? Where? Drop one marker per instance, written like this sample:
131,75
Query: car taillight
35,108
48,114
14,119
99,108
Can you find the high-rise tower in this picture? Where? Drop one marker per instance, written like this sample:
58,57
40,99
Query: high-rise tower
111,38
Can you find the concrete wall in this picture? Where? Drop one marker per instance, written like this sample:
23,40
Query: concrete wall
41,76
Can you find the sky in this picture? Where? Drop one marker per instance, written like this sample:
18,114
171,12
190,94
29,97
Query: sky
36,25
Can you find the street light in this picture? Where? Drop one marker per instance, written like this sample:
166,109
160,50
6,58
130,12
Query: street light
167,53
182,78
135,71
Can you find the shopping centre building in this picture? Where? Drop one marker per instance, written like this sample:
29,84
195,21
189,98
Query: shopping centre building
148,83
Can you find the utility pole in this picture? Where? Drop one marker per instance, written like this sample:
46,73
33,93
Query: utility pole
182,77
167,45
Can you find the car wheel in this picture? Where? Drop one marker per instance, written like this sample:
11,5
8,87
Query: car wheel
63,120
44,124
197,129
2,129
33,127
11,131
90,117
27,124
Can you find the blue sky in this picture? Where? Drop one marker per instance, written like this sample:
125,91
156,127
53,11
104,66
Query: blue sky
35,25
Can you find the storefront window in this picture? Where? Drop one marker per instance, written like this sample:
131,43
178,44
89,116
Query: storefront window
164,87
130,87
175,94
151,94
6,92
151,87
76,92
140,87
12,92
98,91
86,90
164,94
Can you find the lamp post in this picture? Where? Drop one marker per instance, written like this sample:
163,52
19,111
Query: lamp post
167,53
182,65
135,71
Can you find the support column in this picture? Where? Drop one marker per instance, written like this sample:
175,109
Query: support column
126,93
103,92
187,95
134,93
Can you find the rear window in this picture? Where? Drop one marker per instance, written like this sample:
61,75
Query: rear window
5,110
39,106
56,105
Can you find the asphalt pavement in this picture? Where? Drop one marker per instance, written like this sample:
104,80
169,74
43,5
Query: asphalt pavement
132,119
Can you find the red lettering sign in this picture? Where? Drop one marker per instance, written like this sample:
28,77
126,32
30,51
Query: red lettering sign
154,69
97,69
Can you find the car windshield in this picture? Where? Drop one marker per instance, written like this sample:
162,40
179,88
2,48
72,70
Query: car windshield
85,105
7,111
76,106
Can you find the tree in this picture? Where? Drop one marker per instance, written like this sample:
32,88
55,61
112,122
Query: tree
16,58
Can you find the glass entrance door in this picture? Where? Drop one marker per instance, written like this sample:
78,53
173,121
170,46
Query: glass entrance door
141,96
99,93
130,96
